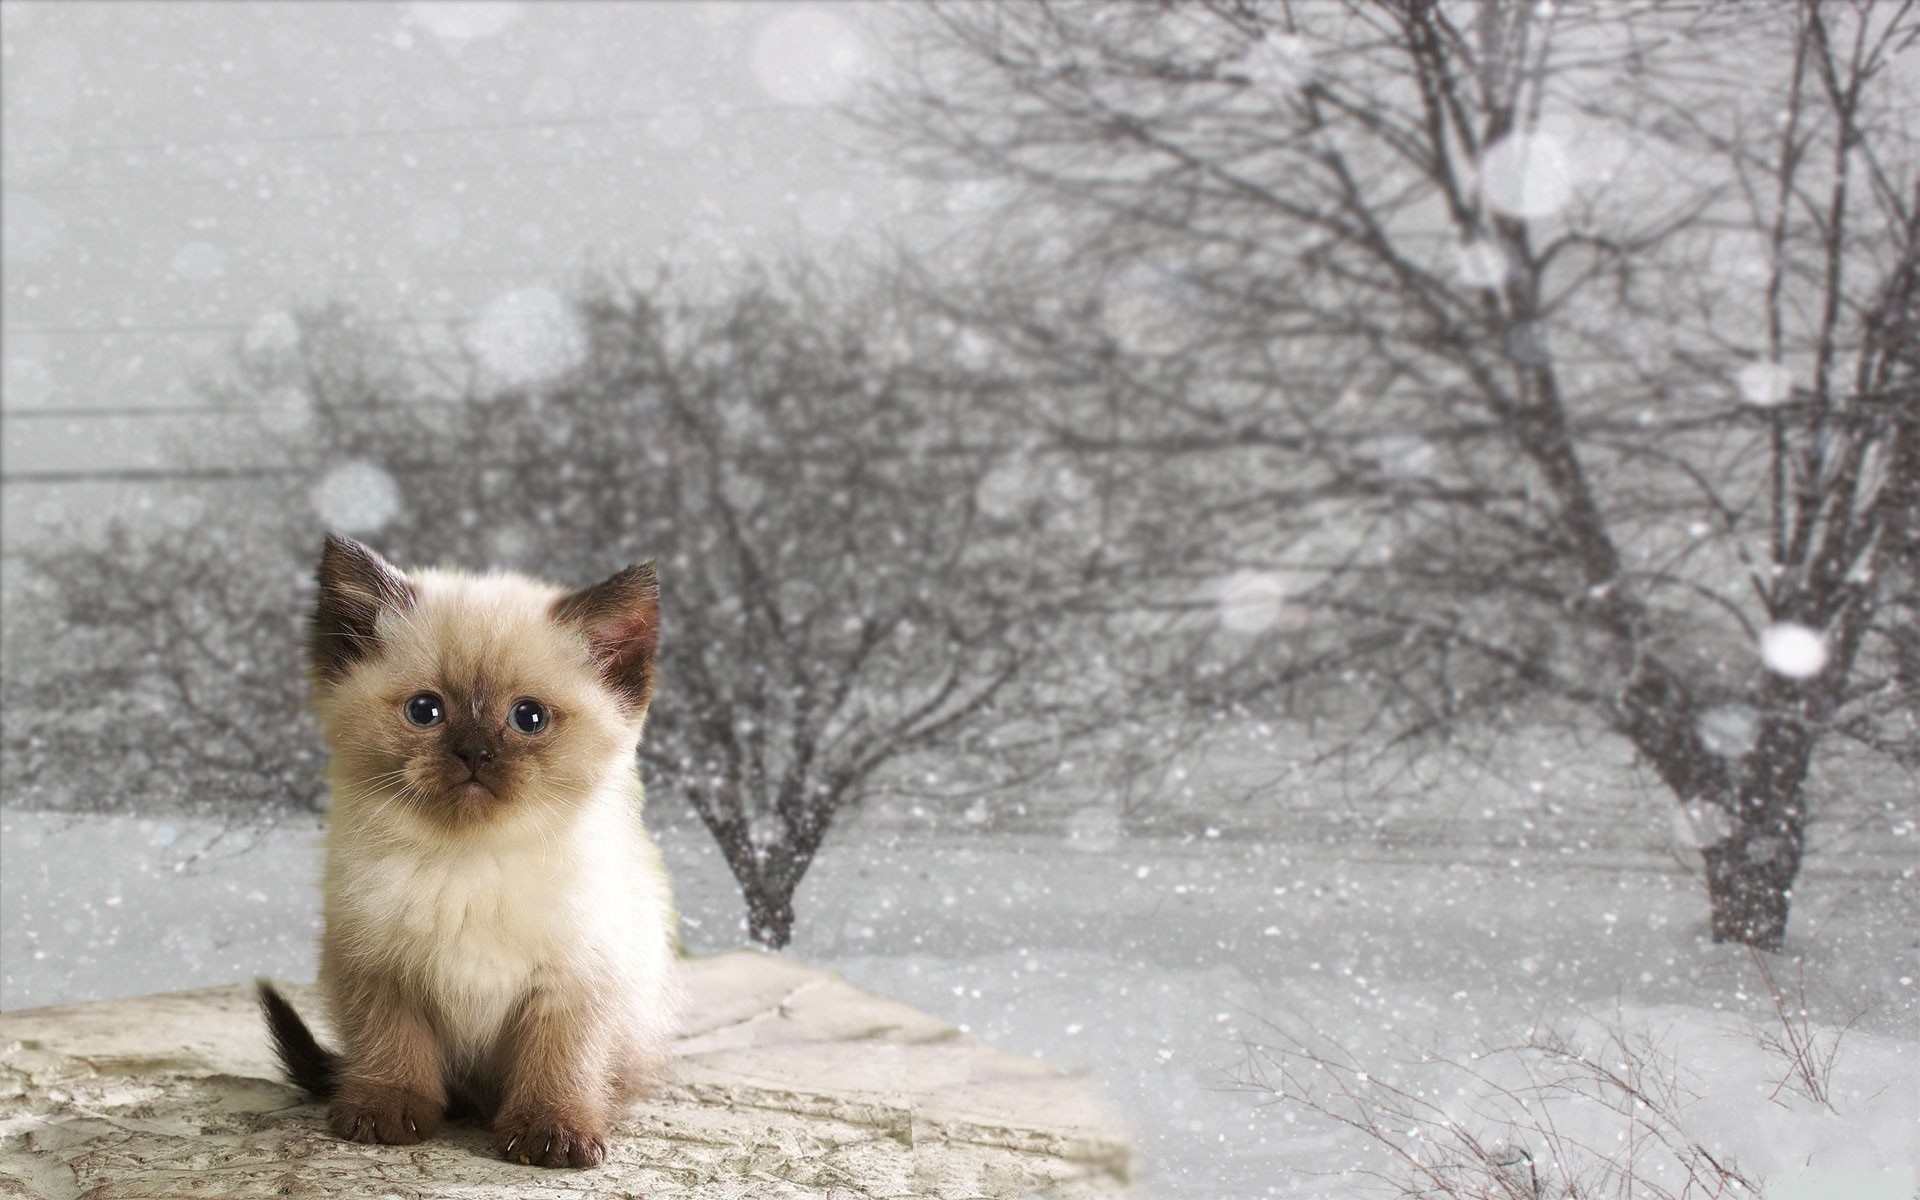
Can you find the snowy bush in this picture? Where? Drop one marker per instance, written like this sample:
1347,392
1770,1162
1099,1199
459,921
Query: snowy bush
1650,1104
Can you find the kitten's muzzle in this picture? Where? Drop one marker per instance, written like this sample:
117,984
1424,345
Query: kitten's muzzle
473,752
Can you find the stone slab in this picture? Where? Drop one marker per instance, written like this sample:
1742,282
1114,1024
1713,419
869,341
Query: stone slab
788,1083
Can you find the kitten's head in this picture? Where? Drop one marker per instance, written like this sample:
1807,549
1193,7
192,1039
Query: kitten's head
463,699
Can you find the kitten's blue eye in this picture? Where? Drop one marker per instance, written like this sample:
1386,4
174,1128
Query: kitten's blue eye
425,709
529,716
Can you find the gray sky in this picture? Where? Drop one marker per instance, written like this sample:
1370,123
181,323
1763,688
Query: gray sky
177,174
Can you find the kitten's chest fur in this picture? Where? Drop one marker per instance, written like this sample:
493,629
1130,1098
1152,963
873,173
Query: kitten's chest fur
472,928
474,923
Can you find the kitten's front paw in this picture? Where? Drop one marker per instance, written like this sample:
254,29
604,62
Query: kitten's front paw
549,1140
390,1116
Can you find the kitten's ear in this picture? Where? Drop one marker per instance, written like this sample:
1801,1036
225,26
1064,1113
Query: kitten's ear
356,586
621,618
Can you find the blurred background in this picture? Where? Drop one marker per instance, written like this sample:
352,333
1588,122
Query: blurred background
1189,532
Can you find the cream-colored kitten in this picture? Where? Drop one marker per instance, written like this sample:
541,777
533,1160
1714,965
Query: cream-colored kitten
499,931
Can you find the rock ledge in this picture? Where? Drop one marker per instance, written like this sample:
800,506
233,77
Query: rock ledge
789,1082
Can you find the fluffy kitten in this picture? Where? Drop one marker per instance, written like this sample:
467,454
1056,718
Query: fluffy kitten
499,932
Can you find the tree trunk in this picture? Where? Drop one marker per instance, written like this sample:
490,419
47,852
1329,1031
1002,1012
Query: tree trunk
1752,861
768,873
1750,887
777,876
769,918
1750,872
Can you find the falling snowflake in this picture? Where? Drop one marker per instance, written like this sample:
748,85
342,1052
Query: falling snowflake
810,56
273,333
356,496
527,336
1255,601
1481,264
1278,63
465,20
511,545
1793,650
1729,730
1018,487
1526,175
1148,312
1405,455
1765,384
766,830
286,411
1698,825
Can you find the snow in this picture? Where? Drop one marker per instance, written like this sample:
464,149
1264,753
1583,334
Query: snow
1526,175
356,496
30,231
676,127
1148,311
1765,384
826,213
1256,601
1480,264
286,411
273,333
1730,730
1404,456
1158,965
1699,824
199,262
435,223
465,20
810,56
26,383
527,336
1793,650
1278,63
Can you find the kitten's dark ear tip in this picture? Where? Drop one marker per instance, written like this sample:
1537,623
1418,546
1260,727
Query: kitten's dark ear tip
338,546
620,617
338,541
643,575
356,586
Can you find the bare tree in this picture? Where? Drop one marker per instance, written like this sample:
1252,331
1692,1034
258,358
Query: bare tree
1558,362
164,676
163,671
836,606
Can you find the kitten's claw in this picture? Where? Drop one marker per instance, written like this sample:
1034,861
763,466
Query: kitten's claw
561,1142
385,1115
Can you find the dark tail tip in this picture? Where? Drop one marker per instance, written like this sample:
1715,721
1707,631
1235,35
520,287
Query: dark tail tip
307,1063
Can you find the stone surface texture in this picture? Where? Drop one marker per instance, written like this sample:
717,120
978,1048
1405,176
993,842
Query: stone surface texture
788,1082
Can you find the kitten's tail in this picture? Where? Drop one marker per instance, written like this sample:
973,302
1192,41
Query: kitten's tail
307,1063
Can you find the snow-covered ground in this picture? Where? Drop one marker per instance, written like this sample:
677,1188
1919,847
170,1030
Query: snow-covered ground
1176,972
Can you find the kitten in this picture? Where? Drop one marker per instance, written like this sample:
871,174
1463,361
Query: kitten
499,933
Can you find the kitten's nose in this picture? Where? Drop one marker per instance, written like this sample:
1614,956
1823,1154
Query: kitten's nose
473,753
